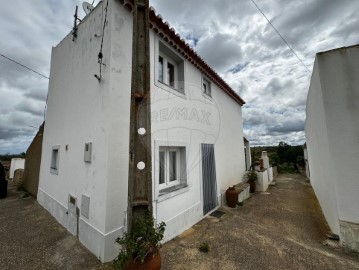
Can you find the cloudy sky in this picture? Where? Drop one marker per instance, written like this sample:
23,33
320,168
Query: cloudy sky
232,36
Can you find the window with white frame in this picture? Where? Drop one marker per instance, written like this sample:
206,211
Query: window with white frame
172,167
170,68
206,86
54,166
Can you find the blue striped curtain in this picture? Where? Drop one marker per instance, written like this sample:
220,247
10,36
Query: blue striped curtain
209,178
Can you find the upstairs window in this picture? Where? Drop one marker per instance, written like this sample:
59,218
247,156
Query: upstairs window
170,68
160,69
206,86
167,71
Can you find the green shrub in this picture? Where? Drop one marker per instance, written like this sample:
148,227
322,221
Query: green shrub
204,247
144,239
251,176
286,168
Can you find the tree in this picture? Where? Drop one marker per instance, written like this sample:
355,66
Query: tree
282,151
289,154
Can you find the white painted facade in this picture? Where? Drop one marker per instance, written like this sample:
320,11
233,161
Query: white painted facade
306,162
248,154
332,132
16,163
82,110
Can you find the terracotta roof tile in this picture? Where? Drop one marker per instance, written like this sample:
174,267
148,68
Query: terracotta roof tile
165,31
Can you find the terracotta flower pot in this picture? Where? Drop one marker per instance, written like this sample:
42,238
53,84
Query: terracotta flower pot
150,263
252,186
232,197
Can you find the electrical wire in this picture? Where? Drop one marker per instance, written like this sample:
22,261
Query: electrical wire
281,36
100,54
38,73
104,25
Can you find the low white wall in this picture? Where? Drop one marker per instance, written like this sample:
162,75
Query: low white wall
262,182
270,175
16,163
244,194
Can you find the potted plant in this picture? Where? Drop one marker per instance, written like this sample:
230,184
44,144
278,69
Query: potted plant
252,177
140,247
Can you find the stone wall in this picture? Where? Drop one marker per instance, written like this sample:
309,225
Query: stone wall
17,180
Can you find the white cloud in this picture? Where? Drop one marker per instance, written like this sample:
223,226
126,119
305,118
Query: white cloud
227,34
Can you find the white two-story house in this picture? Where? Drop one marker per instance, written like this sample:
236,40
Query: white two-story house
196,130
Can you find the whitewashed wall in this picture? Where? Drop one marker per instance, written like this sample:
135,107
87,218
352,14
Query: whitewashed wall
307,170
82,110
321,164
224,129
332,131
16,163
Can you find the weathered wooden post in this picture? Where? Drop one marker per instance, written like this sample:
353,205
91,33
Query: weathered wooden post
140,167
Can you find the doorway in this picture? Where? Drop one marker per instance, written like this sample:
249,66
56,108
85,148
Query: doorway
209,178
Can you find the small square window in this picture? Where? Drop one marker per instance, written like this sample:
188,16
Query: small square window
172,167
55,156
206,87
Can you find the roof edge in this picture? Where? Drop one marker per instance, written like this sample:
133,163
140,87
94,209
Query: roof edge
338,49
165,31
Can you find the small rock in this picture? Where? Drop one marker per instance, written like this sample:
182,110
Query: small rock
331,243
333,236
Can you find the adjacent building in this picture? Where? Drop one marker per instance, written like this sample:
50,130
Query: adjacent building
332,134
32,163
197,134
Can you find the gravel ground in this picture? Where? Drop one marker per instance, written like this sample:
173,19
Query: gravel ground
30,238
282,228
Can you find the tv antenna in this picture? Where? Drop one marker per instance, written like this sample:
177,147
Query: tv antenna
87,7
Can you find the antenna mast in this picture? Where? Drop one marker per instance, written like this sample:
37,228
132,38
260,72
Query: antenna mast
74,29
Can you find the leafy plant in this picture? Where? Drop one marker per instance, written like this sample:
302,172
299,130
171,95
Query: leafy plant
204,247
143,240
251,176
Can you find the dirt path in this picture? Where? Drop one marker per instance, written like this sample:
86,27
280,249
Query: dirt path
282,228
30,238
